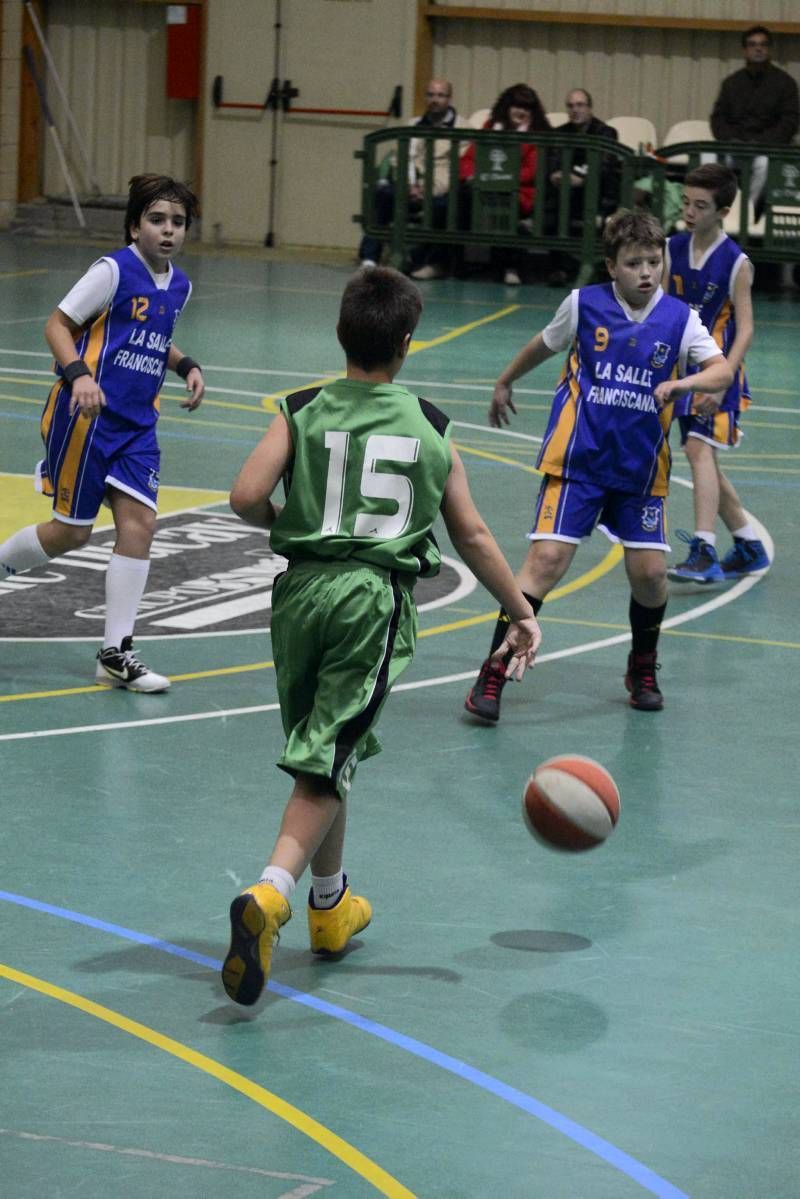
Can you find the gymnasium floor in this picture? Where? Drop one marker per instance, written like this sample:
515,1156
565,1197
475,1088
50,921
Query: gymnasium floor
515,1022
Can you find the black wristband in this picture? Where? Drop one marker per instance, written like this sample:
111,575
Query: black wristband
74,370
185,365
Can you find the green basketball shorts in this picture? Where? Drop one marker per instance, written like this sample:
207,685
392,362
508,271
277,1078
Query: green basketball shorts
342,633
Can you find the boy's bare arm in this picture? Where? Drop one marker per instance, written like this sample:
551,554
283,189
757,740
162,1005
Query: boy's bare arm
743,305
195,384
479,550
260,475
530,356
61,334
714,377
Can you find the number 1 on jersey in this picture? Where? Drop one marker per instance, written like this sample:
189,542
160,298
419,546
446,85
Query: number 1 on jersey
374,484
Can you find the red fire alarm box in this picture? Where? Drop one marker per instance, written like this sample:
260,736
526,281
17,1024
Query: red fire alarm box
183,51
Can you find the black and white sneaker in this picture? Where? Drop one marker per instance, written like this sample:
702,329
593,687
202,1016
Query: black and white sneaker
121,668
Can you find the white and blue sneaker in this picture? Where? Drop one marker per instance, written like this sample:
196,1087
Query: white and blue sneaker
744,558
702,564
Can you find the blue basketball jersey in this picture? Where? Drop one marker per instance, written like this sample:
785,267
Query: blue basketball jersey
127,345
605,427
709,290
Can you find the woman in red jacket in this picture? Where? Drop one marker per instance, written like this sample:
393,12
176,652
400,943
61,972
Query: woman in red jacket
517,110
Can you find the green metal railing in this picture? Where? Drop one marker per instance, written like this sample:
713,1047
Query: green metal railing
775,236
491,216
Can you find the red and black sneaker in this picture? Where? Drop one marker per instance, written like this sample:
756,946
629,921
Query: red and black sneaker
641,681
483,700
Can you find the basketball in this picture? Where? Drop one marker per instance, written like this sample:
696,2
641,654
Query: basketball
570,803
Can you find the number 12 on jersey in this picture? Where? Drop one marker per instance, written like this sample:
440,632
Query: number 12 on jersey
374,484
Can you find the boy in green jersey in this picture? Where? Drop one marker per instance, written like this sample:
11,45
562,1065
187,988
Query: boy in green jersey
367,466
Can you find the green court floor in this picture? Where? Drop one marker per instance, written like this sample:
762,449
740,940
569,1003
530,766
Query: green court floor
515,1022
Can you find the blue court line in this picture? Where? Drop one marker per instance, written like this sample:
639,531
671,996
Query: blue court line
603,1149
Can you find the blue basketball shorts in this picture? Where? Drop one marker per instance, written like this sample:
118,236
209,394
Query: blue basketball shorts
567,510
83,458
721,429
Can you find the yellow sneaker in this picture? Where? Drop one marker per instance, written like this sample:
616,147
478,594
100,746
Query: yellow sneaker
256,916
331,928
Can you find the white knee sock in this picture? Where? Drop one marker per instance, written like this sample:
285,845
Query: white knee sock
22,551
280,879
125,584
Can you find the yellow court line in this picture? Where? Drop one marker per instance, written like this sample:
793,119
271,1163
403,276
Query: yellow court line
175,397
269,402
623,628
476,453
23,274
92,688
346,1153
608,563
416,346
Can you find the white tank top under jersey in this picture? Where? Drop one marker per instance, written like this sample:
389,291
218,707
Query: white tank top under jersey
697,344
94,291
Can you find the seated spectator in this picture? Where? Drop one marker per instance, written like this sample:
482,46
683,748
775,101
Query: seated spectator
517,110
758,103
426,262
582,120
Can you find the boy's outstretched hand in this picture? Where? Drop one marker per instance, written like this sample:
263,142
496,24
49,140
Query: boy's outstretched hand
501,402
523,640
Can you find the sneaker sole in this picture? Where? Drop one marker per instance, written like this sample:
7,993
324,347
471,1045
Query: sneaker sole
480,715
648,707
684,578
108,680
653,706
242,975
743,574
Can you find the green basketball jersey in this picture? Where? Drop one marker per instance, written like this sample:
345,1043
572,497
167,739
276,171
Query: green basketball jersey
366,480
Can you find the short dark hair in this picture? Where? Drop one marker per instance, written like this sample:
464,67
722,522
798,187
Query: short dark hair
625,228
379,307
748,33
715,178
145,190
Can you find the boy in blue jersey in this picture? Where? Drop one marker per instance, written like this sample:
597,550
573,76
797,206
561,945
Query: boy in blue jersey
112,338
368,466
706,269
605,455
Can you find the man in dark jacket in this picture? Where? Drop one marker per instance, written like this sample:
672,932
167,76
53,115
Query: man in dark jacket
581,121
758,103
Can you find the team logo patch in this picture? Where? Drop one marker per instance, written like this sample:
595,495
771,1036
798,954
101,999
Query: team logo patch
661,352
710,292
651,516
152,481
209,573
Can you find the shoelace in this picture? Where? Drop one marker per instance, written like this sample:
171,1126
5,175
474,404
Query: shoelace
130,660
646,676
493,682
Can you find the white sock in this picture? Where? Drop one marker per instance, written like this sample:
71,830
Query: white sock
22,551
705,535
125,583
327,889
280,879
747,533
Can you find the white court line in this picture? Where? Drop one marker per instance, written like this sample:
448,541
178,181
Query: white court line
428,383
718,601
222,714
310,1187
